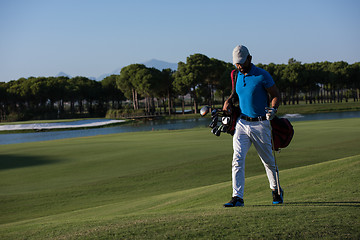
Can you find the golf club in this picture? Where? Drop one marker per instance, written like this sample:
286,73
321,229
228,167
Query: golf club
273,151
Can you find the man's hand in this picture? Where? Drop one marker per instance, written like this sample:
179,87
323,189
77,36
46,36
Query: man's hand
226,105
270,113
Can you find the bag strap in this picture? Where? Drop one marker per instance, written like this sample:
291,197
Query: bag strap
234,74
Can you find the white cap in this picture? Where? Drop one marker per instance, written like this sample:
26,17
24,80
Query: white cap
240,54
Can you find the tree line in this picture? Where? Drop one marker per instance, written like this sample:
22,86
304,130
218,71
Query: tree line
142,90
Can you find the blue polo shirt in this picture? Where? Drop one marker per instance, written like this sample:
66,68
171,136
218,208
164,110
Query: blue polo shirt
251,89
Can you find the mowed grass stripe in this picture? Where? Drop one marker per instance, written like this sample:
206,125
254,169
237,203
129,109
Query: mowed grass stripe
311,210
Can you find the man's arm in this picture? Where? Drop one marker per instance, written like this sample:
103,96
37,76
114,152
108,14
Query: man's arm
274,96
229,101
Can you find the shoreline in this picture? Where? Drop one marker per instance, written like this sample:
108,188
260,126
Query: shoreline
68,124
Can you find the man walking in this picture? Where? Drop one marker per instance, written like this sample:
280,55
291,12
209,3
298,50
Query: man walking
255,90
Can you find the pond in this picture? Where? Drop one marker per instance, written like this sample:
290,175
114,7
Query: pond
149,126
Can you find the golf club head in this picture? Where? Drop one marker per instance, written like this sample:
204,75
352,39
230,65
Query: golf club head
204,110
225,129
218,131
214,130
225,120
214,112
214,122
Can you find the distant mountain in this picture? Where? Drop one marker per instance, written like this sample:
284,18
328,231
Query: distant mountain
158,64
62,74
115,72
101,77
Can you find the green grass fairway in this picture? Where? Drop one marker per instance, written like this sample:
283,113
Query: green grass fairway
172,184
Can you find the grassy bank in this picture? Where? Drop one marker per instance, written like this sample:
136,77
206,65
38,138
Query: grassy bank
172,184
319,108
301,108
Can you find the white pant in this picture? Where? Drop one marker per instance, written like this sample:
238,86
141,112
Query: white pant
246,133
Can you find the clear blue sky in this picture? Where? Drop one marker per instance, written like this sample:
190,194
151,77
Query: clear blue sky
90,38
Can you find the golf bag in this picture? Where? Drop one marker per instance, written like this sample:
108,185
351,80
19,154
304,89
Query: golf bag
235,113
282,132
229,117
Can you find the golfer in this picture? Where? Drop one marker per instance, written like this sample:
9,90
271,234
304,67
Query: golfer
255,91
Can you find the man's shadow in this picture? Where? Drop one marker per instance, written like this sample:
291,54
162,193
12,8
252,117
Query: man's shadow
20,161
